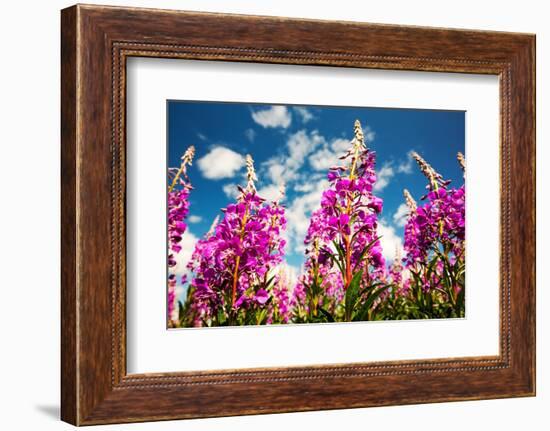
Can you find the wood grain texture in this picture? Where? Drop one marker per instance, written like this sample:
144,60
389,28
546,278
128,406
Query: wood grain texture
69,397
96,41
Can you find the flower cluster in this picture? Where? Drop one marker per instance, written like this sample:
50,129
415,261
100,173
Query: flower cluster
178,209
435,239
440,221
342,243
232,267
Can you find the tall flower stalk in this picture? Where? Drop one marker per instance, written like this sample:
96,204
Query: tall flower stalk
435,245
233,267
344,255
178,209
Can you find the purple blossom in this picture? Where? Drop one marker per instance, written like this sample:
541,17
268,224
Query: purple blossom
344,228
178,209
435,232
440,221
232,266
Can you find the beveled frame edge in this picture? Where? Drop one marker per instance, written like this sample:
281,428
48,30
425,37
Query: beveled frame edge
96,41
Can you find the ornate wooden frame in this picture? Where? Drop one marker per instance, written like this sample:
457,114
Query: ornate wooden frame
95,43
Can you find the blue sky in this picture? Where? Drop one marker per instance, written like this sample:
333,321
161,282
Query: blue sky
296,144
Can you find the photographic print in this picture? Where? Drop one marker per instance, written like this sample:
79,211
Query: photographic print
287,214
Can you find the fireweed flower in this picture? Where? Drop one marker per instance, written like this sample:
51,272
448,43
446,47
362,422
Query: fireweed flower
232,267
441,220
435,180
435,235
197,306
178,208
342,236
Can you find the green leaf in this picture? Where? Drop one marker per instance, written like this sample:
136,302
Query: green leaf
431,265
374,285
268,282
314,287
352,293
325,313
181,311
336,261
461,298
339,249
220,316
365,307
261,316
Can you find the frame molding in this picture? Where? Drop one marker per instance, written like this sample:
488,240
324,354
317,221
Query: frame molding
95,42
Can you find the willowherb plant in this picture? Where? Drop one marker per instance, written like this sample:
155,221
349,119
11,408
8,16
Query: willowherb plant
178,209
344,255
233,266
197,306
435,245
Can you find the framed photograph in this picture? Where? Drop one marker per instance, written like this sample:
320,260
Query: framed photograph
305,237
251,205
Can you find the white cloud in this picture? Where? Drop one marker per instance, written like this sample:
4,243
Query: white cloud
400,216
250,134
368,133
299,146
188,241
201,136
328,154
274,170
384,175
388,171
271,192
298,214
220,162
322,159
194,219
406,166
304,113
305,187
275,116
340,146
389,240
230,190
